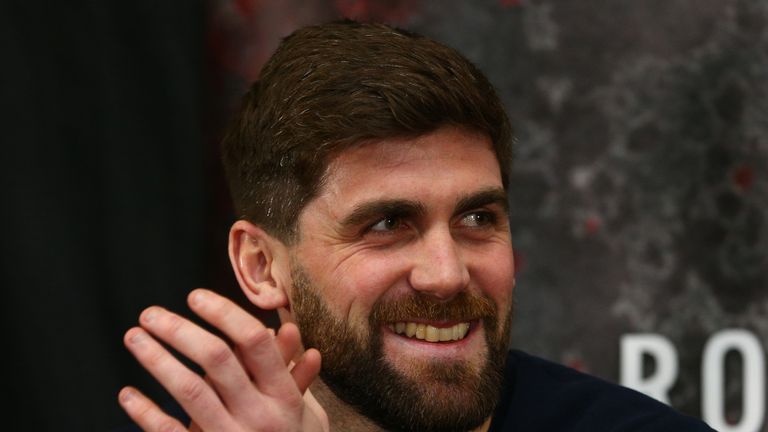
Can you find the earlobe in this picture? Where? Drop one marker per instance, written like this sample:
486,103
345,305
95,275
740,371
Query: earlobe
256,258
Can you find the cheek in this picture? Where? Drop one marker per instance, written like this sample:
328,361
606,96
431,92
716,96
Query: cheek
364,280
494,274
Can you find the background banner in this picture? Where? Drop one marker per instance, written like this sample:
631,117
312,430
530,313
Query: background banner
639,191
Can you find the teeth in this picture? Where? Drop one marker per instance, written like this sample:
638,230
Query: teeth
410,329
430,333
433,334
421,331
400,327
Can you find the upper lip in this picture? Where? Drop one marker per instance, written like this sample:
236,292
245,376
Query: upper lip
433,323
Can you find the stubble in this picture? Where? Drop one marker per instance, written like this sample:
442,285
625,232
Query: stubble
435,395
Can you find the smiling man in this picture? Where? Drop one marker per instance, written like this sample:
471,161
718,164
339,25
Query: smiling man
369,167
403,279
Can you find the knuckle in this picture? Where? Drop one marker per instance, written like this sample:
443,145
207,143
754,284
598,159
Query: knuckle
144,411
174,324
256,337
167,425
294,402
155,357
192,390
219,354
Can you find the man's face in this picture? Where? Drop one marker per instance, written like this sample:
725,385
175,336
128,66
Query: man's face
403,277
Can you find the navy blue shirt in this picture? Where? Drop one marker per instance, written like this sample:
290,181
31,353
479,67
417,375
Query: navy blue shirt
539,395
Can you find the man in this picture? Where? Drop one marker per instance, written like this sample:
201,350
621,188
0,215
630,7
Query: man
369,167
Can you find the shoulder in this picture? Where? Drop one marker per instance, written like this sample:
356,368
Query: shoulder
542,395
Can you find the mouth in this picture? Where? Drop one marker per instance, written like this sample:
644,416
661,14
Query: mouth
430,333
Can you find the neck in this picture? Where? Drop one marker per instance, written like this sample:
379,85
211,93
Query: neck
343,417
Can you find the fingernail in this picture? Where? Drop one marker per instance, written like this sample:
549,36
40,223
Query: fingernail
197,298
137,337
126,396
149,315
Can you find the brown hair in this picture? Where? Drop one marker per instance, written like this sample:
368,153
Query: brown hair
331,86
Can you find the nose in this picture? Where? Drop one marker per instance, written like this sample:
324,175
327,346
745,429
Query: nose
439,269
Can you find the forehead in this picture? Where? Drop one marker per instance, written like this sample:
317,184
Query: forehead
448,160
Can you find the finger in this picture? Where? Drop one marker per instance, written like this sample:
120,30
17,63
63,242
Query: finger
194,395
259,350
314,407
222,367
306,369
288,341
145,413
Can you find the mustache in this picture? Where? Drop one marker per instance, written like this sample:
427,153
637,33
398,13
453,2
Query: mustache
464,307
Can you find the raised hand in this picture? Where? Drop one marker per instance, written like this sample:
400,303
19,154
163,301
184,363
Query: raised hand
254,386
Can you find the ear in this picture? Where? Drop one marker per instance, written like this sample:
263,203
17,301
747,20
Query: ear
260,264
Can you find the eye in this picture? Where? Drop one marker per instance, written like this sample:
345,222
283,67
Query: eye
387,224
478,219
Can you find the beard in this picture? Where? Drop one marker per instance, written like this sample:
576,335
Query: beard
434,395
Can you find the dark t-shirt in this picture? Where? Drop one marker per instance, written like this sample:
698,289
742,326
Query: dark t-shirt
539,395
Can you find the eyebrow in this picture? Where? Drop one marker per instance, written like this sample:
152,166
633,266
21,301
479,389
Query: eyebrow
366,211
482,198
369,210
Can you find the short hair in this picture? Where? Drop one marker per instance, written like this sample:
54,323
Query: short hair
336,85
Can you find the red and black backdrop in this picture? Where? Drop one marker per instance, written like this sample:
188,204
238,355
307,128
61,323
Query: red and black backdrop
639,199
